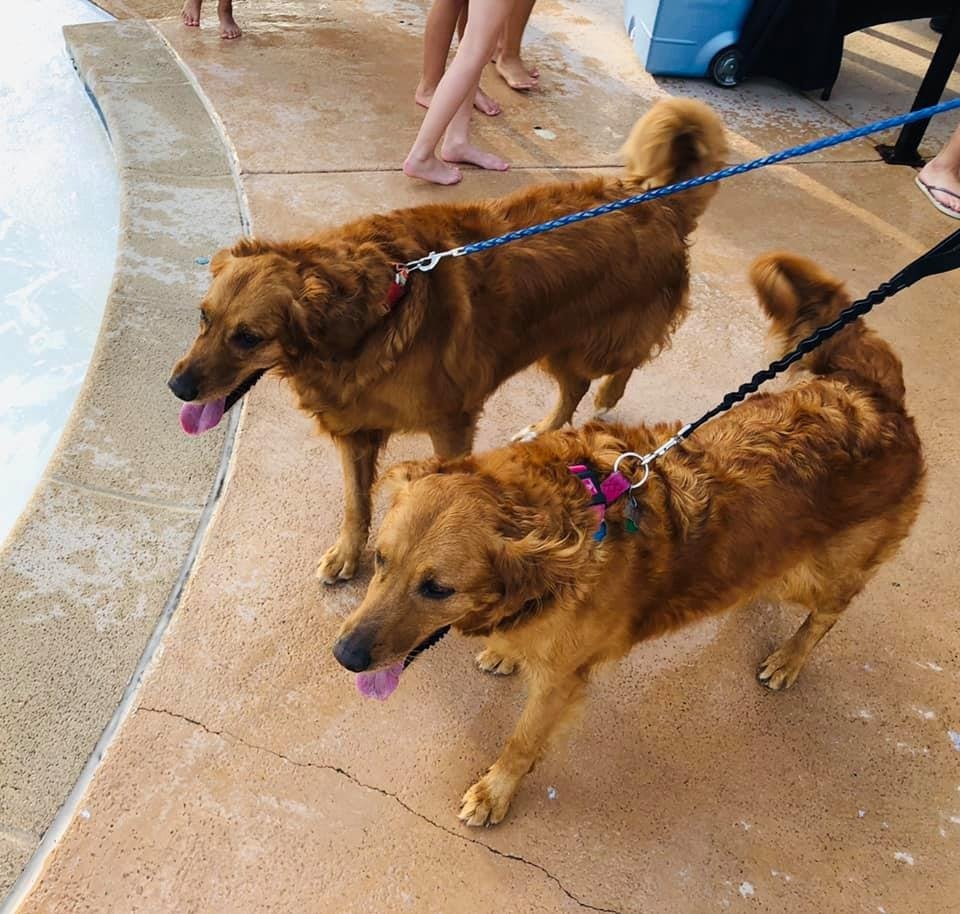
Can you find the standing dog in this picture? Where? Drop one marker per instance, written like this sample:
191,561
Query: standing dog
585,301
798,495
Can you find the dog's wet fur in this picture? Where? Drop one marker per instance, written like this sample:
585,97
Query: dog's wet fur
797,495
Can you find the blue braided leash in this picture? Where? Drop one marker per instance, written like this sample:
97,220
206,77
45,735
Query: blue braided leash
427,263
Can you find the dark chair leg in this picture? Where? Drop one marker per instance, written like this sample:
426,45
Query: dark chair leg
835,75
905,152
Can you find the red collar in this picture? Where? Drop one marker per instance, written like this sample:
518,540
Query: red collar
398,288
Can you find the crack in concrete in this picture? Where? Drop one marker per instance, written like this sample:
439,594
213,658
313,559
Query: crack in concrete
506,855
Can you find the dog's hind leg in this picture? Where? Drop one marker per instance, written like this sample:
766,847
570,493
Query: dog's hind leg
826,583
781,668
358,457
610,391
454,439
572,388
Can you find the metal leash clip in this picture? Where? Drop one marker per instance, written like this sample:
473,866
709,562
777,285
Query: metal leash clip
426,264
647,459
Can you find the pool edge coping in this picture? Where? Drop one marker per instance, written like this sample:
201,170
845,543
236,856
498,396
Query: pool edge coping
68,810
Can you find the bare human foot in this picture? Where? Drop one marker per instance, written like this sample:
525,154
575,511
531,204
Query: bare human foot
432,169
515,74
942,184
190,14
470,155
228,25
485,104
533,71
481,101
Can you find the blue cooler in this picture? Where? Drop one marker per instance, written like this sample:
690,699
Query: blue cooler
688,37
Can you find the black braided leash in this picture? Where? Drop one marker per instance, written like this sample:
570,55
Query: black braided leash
940,259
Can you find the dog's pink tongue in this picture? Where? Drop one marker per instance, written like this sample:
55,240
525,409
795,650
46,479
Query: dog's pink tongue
197,418
381,684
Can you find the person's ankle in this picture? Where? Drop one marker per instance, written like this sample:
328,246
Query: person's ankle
418,157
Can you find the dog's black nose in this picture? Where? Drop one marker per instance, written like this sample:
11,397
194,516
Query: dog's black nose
184,386
353,653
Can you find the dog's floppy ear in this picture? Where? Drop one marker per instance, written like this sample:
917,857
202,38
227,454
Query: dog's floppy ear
307,310
532,561
341,297
349,280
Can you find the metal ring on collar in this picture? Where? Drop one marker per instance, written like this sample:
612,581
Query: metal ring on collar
645,461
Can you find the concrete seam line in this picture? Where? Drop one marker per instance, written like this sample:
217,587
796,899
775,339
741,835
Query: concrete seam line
178,507
19,836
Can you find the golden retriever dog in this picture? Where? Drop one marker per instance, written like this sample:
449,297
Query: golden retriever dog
367,357
797,495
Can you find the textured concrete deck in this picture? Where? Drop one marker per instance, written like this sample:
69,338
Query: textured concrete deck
250,777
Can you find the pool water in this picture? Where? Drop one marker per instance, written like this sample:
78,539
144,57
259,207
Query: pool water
58,235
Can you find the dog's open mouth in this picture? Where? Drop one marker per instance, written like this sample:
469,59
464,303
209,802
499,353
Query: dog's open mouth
197,418
381,684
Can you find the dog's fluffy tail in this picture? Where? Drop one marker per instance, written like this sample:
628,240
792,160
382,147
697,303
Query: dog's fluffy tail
799,297
678,138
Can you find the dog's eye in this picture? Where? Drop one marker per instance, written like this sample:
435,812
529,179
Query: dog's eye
204,320
246,339
378,560
434,591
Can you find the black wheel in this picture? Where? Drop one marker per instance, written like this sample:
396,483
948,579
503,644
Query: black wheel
726,68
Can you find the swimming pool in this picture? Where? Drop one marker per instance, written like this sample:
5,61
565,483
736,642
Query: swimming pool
59,199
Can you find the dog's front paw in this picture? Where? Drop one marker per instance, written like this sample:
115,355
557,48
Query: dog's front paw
487,802
780,670
529,433
339,562
491,662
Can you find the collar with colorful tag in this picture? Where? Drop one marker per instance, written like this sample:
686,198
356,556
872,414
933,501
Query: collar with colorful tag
603,494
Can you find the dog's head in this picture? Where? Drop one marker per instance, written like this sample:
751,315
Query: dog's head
268,307
454,550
